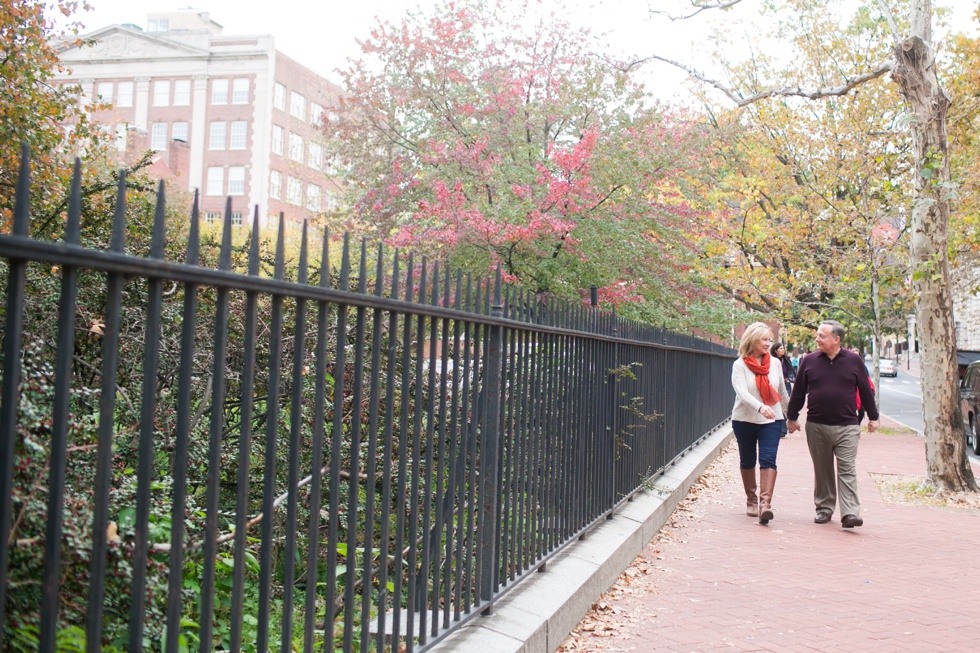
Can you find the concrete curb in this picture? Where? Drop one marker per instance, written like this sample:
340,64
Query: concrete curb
537,616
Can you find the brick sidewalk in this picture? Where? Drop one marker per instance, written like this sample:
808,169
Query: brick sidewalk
715,580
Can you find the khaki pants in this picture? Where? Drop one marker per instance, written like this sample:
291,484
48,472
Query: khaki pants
827,443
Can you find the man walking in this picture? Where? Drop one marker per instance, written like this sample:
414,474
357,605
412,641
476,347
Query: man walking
829,380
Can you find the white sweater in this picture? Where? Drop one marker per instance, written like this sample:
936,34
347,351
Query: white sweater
748,401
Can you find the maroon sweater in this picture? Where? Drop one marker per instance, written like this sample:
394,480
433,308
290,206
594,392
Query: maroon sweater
832,387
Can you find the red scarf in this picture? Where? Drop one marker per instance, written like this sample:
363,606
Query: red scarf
769,395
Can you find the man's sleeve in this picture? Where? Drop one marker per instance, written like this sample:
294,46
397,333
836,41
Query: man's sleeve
867,393
799,392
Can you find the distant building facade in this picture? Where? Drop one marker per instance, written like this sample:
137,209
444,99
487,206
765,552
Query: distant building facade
229,116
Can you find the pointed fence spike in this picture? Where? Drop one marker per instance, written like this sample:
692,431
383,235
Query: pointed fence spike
118,241
325,260
253,247
380,272
345,264
362,274
422,280
446,285
459,290
194,238
410,278
303,276
280,270
73,226
224,260
434,294
159,223
22,201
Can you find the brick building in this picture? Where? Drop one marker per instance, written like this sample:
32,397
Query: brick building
228,115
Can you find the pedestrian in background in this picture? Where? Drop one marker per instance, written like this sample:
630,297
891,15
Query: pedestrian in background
829,380
760,403
778,351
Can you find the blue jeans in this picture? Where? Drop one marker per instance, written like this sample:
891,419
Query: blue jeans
751,436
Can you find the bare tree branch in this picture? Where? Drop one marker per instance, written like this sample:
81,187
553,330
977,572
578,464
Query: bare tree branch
698,8
886,11
786,91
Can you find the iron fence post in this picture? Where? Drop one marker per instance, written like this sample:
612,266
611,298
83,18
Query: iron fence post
488,455
613,380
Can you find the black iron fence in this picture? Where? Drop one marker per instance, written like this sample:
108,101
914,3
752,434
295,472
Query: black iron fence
233,453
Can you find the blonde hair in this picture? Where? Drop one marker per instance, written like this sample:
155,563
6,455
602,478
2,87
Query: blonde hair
753,334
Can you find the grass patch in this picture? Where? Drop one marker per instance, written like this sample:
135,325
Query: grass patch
913,490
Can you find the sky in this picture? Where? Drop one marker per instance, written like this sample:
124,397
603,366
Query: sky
323,35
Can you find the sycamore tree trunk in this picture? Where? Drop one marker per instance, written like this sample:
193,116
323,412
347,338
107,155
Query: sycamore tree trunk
915,73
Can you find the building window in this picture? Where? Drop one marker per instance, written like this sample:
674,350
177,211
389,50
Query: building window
161,93
314,157
104,92
294,191
279,96
158,136
239,93
212,216
329,201
275,184
122,131
180,131
297,105
182,92
296,147
124,95
157,24
313,197
316,114
239,135
219,91
236,180
216,181
236,218
277,138
217,141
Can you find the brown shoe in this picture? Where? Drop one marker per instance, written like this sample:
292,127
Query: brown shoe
767,481
850,521
751,495
821,517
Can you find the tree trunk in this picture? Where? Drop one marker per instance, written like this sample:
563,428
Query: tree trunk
915,73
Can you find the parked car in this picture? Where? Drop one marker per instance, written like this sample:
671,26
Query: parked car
970,404
886,367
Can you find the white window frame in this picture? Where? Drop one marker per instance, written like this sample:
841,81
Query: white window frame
275,184
294,191
124,98
219,91
182,92
316,114
313,194
216,181
158,136
314,156
278,139
296,147
212,217
297,105
161,93
238,136
104,91
240,90
180,131
218,136
236,180
236,218
279,96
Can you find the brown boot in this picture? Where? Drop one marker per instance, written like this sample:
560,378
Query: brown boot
751,498
767,480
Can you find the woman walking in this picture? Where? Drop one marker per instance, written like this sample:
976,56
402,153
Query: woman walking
761,400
